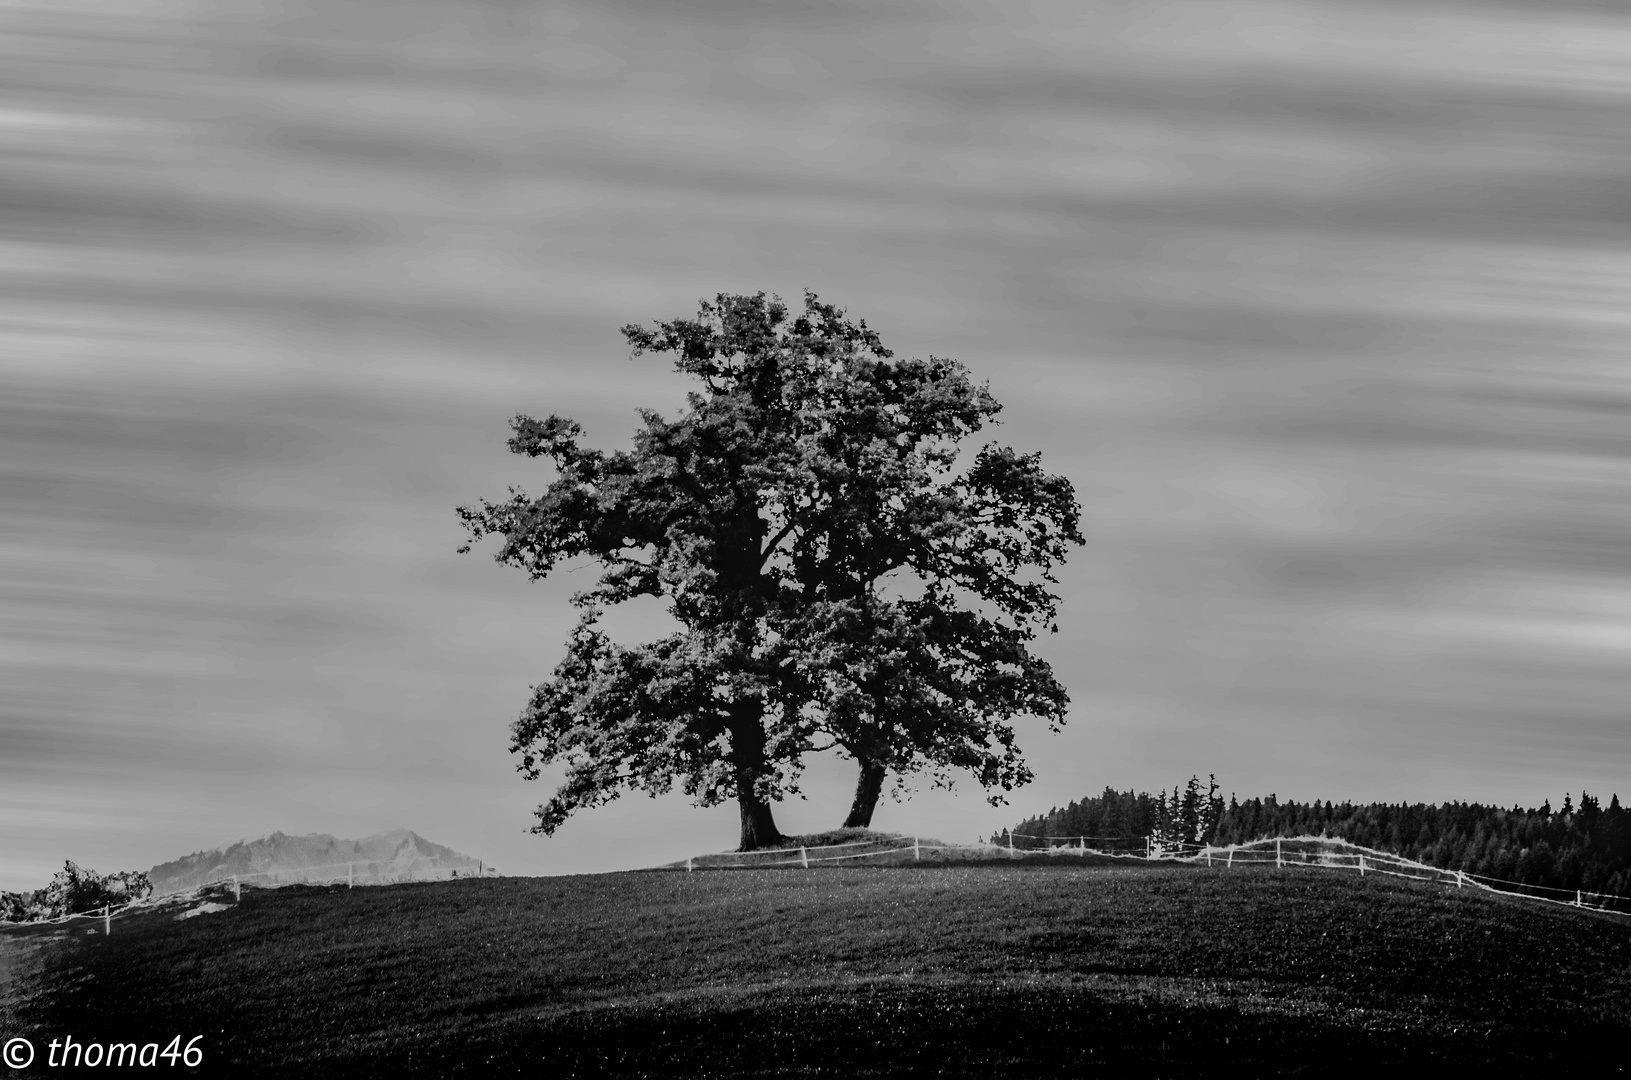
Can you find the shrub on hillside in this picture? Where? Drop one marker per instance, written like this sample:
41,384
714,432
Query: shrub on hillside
74,890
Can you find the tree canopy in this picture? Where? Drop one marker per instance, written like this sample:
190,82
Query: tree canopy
839,578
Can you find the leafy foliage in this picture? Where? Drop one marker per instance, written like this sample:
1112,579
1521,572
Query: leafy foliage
920,585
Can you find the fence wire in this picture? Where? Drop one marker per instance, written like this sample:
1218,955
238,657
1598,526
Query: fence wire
1282,852
1285,851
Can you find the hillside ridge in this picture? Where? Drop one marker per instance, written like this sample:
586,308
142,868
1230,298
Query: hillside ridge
945,971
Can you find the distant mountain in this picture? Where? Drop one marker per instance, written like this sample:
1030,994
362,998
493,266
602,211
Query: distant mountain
281,859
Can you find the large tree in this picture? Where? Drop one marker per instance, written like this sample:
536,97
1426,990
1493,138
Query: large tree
677,517
921,578
834,575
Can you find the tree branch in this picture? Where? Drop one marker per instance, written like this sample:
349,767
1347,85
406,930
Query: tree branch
770,548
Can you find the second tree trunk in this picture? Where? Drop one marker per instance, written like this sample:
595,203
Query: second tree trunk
866,795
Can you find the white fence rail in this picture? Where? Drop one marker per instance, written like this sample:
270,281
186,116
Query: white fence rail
1339,854
1281,852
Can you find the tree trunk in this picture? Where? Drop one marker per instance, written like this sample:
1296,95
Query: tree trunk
748,751
758,825
867,789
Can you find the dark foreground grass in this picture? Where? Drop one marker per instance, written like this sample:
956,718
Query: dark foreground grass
982,971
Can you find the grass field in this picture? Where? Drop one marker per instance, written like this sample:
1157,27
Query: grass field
960,971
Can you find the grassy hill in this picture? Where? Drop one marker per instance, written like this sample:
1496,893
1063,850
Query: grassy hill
960,970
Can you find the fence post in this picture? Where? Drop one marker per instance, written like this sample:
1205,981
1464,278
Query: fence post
237,890
804,857
1577,898
350,873
1209,855
1279,861
107,920
1460,879
1010,845
1231,864
1361,866
917,853
688,866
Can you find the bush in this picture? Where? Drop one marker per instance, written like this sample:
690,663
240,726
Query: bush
73,891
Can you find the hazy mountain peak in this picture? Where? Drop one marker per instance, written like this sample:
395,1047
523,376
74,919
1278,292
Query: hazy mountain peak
279,858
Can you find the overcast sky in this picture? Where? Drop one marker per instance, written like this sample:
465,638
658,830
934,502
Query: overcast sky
1322,306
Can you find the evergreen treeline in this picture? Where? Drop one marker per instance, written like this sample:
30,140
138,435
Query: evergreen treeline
1575,847
1124,820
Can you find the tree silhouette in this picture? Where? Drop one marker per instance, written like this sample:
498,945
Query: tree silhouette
837,581
920,579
